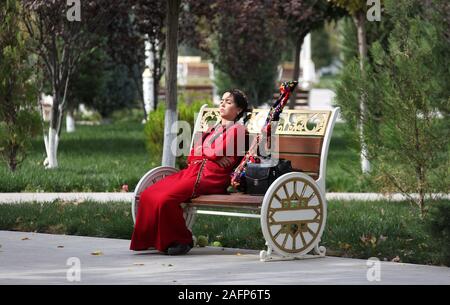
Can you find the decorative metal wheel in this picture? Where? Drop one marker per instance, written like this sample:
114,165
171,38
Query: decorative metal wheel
151,177
293,215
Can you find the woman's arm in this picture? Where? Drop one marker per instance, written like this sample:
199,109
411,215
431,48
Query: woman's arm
231,145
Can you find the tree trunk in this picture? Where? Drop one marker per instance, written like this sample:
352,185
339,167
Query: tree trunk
137,76
155,92
420,168
60,85
70,121
296,74
52,138
51,141
360,19
173,7
157,69
12,157
421,181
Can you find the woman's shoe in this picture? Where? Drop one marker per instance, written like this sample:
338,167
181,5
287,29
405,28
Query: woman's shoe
179,249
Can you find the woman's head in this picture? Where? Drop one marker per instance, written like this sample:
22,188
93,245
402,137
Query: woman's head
233,105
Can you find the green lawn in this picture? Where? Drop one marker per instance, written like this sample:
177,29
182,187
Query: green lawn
354,229
102,158
93,159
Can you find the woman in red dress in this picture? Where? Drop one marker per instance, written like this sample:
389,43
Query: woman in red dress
159,221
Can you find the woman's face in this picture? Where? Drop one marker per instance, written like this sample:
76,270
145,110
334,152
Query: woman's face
228,108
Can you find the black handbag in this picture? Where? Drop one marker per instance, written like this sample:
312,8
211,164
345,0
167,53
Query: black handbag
259,176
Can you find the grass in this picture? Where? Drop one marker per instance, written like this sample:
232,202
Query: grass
354,229
93,159
343,164
111,220
102,158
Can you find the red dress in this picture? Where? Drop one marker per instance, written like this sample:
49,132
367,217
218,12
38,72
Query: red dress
159,220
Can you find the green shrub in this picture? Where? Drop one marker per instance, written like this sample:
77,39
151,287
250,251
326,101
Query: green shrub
438,225
90,116
19,120
154,128
127,115
154,132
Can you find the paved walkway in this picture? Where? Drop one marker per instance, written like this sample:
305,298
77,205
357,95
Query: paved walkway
32,258
106,197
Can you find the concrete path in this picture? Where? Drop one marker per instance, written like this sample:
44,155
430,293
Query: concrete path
107,197
31,258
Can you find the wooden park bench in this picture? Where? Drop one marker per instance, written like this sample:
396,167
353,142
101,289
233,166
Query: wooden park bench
293,210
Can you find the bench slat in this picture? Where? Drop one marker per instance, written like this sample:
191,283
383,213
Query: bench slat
234,199
296,144
301,162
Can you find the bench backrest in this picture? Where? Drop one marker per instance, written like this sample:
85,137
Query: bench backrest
303,136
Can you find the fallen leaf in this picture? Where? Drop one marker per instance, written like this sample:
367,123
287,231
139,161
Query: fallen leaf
98,252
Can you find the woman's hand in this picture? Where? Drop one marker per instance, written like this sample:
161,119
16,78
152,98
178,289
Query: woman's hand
224,162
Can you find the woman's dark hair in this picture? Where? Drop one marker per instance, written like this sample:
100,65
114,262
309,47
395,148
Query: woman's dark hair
240,99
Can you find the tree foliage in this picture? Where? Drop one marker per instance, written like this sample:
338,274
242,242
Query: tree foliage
407,93
244,39
60,43
138,21
102,84
19,120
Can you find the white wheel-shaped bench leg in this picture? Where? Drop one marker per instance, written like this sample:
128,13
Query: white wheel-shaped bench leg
263,255
293,215
266,255
151,177
320,250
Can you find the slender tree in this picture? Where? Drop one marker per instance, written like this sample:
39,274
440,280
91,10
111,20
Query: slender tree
358,11
243,38
409,76
138,22
173,10
61,35
303,16
151,21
